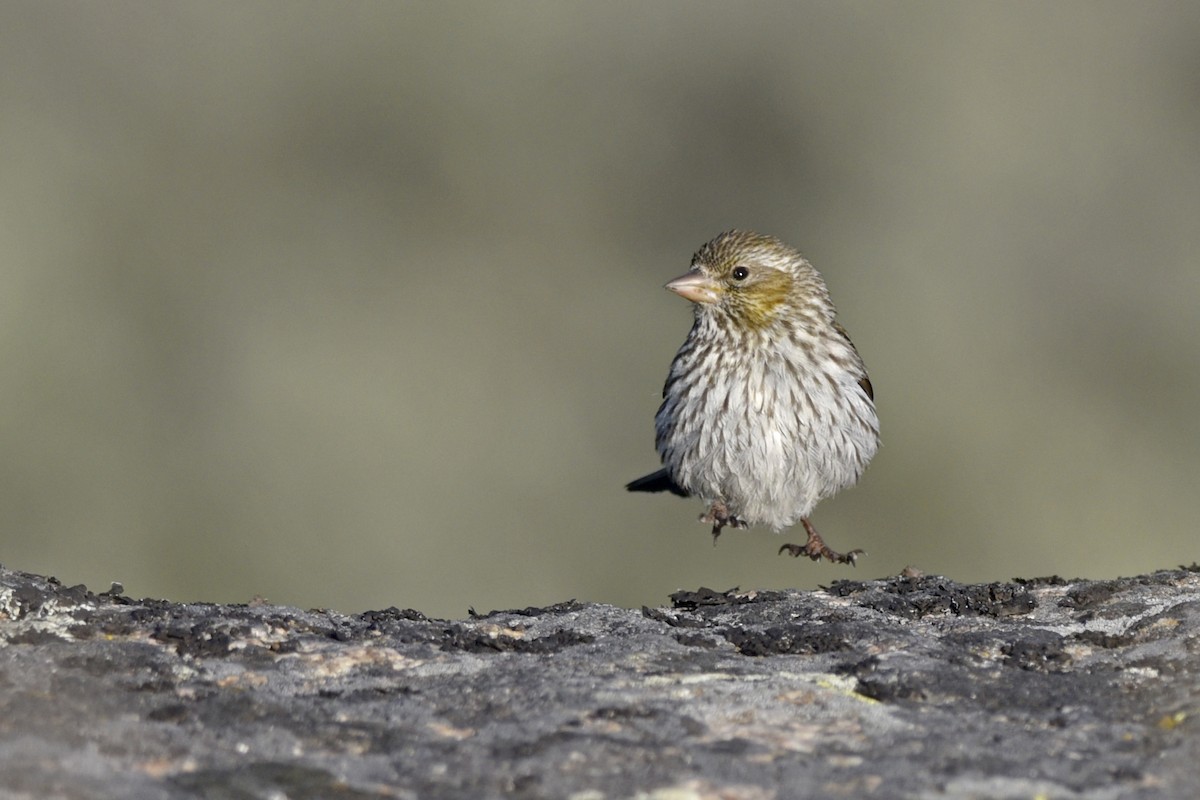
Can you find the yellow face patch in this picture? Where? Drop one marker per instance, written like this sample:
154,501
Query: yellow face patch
755,301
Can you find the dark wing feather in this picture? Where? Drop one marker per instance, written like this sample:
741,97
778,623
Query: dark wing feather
656,482
864,382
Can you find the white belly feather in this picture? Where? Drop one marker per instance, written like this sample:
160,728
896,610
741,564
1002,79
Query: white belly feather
770,437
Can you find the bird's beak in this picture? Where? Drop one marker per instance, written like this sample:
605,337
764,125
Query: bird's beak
694,285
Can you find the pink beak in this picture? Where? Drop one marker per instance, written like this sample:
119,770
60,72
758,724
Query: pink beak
695,286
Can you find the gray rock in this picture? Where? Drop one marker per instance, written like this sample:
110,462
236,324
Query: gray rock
911,687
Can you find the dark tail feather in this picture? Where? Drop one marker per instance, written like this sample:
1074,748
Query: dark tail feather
656,482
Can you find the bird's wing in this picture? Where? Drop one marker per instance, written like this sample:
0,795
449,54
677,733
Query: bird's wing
864,381
656,482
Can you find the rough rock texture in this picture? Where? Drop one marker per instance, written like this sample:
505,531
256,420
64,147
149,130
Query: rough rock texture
909,687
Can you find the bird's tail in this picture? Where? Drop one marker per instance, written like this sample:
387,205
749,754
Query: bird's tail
656,482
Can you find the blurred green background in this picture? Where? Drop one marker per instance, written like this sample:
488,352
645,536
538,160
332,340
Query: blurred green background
359,304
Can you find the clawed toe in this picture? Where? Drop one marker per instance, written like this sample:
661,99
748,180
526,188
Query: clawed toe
817,553
816,549
718,516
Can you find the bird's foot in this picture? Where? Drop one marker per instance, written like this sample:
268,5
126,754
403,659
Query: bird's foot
816,549
718,516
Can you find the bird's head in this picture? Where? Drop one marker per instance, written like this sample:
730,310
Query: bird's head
751,280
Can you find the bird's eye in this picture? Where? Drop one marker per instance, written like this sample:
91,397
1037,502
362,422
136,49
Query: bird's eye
740,273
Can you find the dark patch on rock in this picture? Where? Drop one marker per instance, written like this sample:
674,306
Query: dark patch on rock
1088,595
1037,650
696,640
1047,580
392,614
688,600
1102,639
35,637
564,607
791,639
919,597
674,619
471,639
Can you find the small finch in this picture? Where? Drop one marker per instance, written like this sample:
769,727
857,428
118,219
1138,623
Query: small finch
767,408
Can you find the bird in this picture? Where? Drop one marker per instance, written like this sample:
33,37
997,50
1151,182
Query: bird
767,408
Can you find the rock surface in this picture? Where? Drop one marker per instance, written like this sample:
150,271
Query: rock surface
911,687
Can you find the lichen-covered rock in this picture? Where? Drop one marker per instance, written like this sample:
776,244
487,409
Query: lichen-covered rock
907,687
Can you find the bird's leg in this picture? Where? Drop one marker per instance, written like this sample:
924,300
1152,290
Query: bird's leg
718,515
816,549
